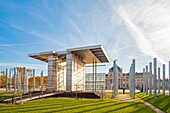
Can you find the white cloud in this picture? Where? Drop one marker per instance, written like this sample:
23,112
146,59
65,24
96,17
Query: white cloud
148,23
21,44
50,38
32,66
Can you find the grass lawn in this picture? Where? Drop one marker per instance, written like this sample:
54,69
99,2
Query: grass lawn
5,95
162,101
72,105
109,94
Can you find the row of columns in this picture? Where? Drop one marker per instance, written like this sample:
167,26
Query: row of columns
156,78
15,74
132,79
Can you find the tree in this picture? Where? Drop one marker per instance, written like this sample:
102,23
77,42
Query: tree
37,80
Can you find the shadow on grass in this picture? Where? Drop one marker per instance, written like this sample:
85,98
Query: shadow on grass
143,96
161,101
24,107
167,107
108,105
105,106
30,105
57,105
140,110
60,107
38,104
77,107
122,107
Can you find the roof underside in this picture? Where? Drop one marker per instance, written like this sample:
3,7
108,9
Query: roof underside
88,54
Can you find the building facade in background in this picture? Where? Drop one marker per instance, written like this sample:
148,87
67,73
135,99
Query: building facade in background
124,79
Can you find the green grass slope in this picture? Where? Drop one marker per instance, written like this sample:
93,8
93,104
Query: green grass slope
162,101
71,105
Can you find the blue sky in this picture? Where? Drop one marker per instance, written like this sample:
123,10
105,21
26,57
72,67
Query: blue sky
127,29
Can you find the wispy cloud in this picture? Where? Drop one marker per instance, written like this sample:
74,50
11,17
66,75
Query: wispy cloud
22,44
148,23
50,38
32,66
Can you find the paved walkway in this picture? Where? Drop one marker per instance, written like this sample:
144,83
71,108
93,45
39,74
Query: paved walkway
127,98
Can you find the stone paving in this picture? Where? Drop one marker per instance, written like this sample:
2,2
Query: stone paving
127,98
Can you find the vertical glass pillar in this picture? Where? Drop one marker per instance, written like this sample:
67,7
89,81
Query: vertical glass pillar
146,78
150,78
158,80
163,79
155,76
115,71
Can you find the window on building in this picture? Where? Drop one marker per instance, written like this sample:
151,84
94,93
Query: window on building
110,81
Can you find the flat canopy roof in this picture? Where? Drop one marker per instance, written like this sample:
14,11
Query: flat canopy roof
88,54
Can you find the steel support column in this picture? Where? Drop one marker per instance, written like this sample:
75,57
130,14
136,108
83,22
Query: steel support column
169,78
95,71
133,75
158,80
10,79
163,79
146,77
33,79
93,76
155,76
6,80
130,75
15,75
41,81
144,82
150,78
115,71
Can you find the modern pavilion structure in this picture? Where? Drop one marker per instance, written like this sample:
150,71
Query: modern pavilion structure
66,69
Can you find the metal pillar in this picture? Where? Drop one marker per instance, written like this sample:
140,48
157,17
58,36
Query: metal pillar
24,80
33,79
169,78
15,81
6,80
163,79
41,83
130,75
132,81
144,80
155,72
133,76
158,80
146,77
10,79
95,74
150,78
41,80
115,71
18,80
